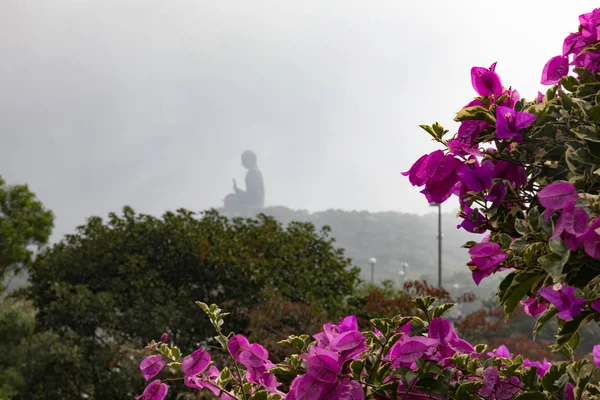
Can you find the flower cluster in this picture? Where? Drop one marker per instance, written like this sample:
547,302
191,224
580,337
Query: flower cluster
578,46
401,358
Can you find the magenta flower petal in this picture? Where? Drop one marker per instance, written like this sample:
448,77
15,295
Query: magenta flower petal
323,365
348,323
564,300
557,196
255,356
573,44
151,366
475,177
347,341
196,362
591,240
237,344
486,82
596,353
596,306
156,390
441,330
555,68
413,348
509,123
416,174
164,337
532,307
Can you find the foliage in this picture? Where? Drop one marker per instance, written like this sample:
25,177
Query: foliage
24,223
525,173
399,358
96,287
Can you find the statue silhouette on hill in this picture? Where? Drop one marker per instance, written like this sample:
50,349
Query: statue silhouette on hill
253,198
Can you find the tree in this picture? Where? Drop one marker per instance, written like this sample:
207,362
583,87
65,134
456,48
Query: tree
128,280
24,223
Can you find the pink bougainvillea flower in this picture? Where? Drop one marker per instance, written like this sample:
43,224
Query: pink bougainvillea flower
151,366
573,220
540,97
156,390
406,350
206,380
596,353
237,344
557,196
533,307
501,352
511,99
322,364
591,239
573,44
416,174
490,380
563,298
196,362
469,130
486,81
513,173
596,306
509,123
473,222
496,193
164,337
437,171
485,258
589,23
349,345
555,68
477,177
542,367
462,148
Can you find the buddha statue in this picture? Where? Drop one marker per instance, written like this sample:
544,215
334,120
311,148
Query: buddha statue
254,195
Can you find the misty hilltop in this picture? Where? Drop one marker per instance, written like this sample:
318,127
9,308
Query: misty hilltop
393,238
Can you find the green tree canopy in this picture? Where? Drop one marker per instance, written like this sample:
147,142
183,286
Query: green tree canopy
131,278
24,224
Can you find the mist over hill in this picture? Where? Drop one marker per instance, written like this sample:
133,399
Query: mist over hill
394,238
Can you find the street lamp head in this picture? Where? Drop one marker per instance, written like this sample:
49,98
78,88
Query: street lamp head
372,260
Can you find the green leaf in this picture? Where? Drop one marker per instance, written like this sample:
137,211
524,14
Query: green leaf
477,113
519,287
557,246
504,241
568,330
531,396
546,316
465,389
505,284
259,395
481,348
569,82
356,366
432,385
551,379
553,263
521,227
529,377
440,310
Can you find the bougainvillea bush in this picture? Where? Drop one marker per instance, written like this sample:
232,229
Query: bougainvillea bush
527,177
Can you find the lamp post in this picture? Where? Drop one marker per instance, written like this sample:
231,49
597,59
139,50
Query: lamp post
372,261
439,237
402,272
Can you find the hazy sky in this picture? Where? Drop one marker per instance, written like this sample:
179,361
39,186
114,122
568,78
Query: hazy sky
150,103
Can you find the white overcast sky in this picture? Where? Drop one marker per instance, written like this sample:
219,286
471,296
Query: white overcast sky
150,103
